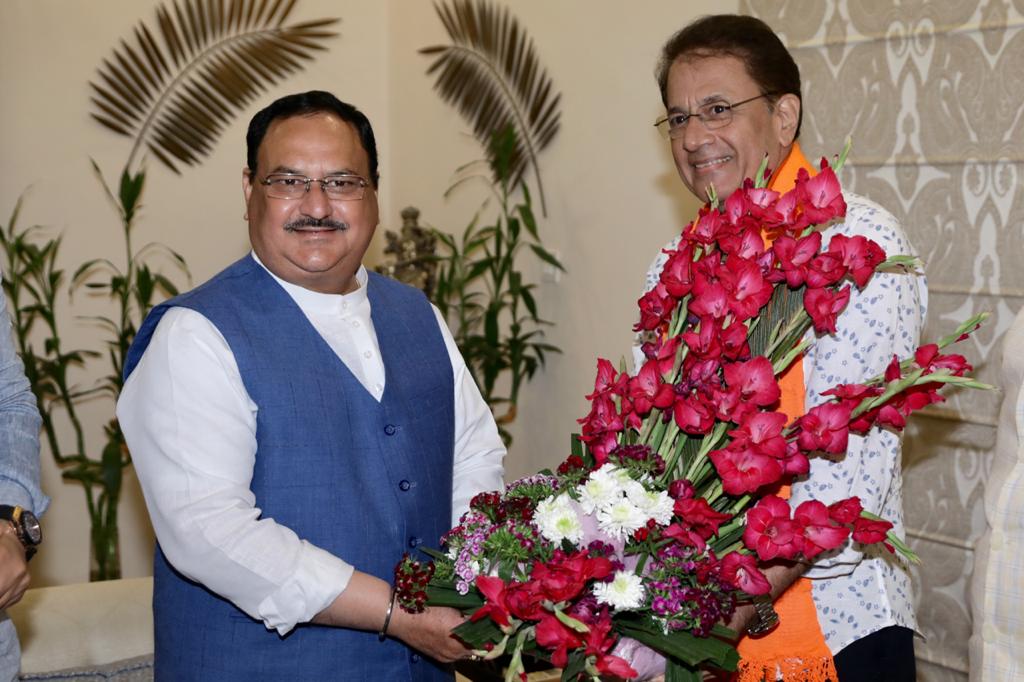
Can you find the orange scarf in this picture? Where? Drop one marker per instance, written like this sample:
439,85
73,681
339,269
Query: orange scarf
796,649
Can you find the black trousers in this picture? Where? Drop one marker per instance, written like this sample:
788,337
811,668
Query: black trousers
884,655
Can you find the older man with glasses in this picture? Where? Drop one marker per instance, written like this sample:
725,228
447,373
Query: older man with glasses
297,423
731,92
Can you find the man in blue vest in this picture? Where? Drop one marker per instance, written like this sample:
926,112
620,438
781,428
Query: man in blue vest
297,423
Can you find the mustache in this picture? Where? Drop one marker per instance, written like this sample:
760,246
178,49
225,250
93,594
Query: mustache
307,221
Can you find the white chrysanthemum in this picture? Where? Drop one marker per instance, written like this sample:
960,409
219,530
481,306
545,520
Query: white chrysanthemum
557,520
603,488
620,518
655,505
624,593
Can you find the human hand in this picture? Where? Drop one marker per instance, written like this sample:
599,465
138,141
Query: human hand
741,619
14,575
430,632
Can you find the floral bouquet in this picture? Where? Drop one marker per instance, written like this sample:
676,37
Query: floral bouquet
653,529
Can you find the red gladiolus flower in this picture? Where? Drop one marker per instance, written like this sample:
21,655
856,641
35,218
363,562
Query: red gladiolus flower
824,270
598,640
677,275
931,360
893,372
551,634
647,390
770,531
615,666
711,225
730,405
755,379
564,577
790,211
710,296
745,470
494,607
794,257
656,307
819,532
524,601
821,196
600,428
696,513
748,288
869,531
762,431
824,306
825,427
608,380
693,415
664,351
681,489
796,464
845,511
741,571
859,255
747,243
705,342
734,342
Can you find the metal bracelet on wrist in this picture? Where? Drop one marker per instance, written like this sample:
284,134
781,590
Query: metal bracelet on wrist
767,618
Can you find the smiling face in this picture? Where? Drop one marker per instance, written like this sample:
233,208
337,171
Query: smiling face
723,157
314,242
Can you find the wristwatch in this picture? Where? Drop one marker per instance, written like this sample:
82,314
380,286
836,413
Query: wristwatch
26,527
767,618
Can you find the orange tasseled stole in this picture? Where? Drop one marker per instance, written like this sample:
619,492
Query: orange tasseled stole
796,649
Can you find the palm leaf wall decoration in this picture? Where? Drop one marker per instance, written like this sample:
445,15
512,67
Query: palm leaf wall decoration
492,75
179,85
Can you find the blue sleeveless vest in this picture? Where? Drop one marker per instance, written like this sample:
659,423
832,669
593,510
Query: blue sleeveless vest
363,480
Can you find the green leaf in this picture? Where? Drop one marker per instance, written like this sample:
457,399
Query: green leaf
677,672
545,256
438,595
478,633
688,649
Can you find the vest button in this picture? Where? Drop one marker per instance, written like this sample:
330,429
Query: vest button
390,429
415,542
404,485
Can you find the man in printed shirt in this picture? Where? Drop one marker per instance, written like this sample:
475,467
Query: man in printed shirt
298,423
732,96
20,496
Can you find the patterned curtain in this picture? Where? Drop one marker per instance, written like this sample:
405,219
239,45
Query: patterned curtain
933,96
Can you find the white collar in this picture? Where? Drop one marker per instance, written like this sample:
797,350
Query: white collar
325,304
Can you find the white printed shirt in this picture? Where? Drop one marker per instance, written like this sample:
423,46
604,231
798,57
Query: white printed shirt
856,591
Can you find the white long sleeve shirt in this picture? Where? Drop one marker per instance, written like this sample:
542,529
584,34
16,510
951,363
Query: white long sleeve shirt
191,428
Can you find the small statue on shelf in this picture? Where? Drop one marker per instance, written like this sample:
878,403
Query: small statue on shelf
410,256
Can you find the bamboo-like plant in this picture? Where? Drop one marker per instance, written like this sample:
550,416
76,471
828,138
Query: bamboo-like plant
492,75
172,91
484,295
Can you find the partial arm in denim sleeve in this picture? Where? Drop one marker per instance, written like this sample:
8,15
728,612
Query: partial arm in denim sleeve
19,428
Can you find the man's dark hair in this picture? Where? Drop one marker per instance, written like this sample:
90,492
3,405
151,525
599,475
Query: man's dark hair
306,104
749,39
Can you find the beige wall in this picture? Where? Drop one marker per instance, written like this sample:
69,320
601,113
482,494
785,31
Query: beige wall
612,193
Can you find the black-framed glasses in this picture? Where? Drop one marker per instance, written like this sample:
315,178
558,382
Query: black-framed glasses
712,115
293,186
